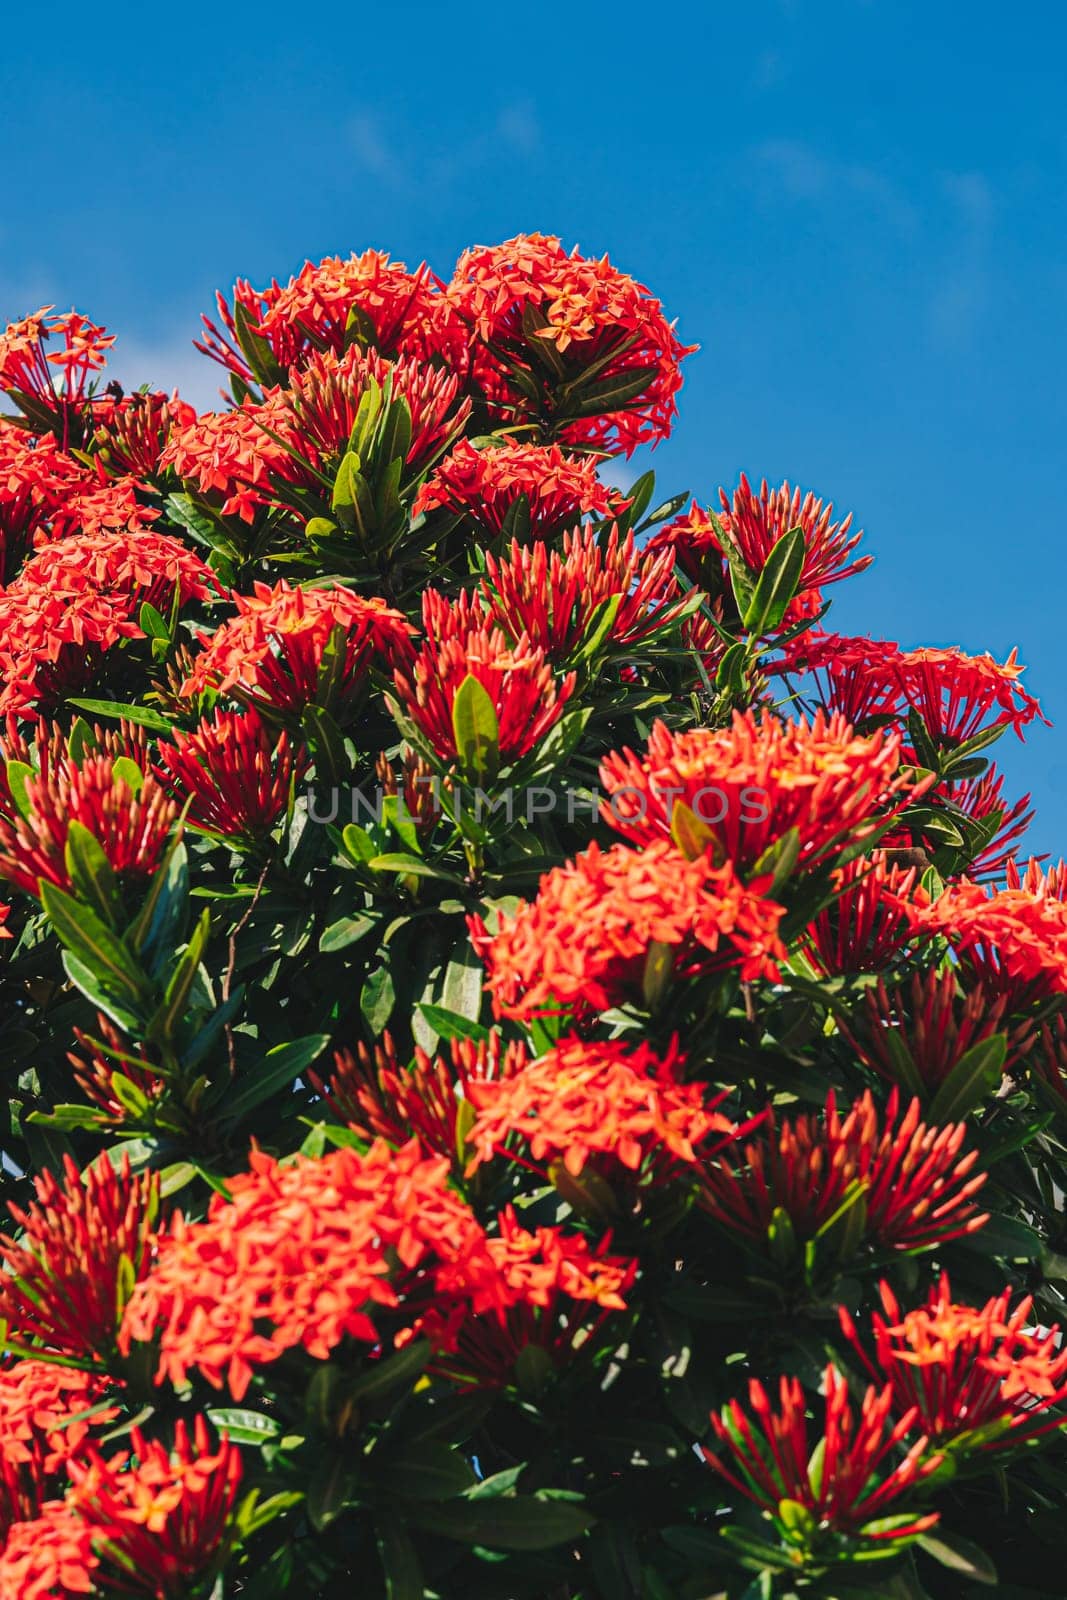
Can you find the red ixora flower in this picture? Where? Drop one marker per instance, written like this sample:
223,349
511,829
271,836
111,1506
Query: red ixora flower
914,1034
85,1241
143,567
559,598
483,486
28,371
915,1186
1013,941
769,1456
429,1101
43,1423
528,699
542,321
289,445
624,1112
290,648
853,677
152,1521
872,921
531,1304
753,523
301,1255
615,926
752,783
130,431
236,772
52,643
980,1378
955,694
130,822
328,304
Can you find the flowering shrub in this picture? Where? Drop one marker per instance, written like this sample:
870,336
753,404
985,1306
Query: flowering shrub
536,1070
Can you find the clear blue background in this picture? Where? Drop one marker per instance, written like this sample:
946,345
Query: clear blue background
857,210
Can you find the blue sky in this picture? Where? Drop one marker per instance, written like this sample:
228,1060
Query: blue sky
857,209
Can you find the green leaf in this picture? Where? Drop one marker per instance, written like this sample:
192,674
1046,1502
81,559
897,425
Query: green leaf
522,1523
18,776
610,394
690,834
81,741
598,629
413,866
391,1372
972,1080
86,936
91,875
345,931
332,1485
959,1555
165,1022
242,1426
1005,1237
158,926
476,730
777,584
256,349
151,623
142,716
358,843
278,1069
400,1561
730,677
378,998
425,1471
129,773
450,1025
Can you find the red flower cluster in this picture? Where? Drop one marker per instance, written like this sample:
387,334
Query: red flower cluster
299,1255
483,486
131,432
872,921
430,1101
130,820
43,1423
614,926
84,1243
236,773
955,694
972,1378
367,298
291,648
605,1106
908,1184
527,699
752,525
536,1303
1012,941
768,1455
915,1035
258,453
539,316
749,785
28,371
560,599
150,568
152,1522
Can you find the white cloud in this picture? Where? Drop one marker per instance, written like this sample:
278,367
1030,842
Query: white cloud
373,150
805,174
518,126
